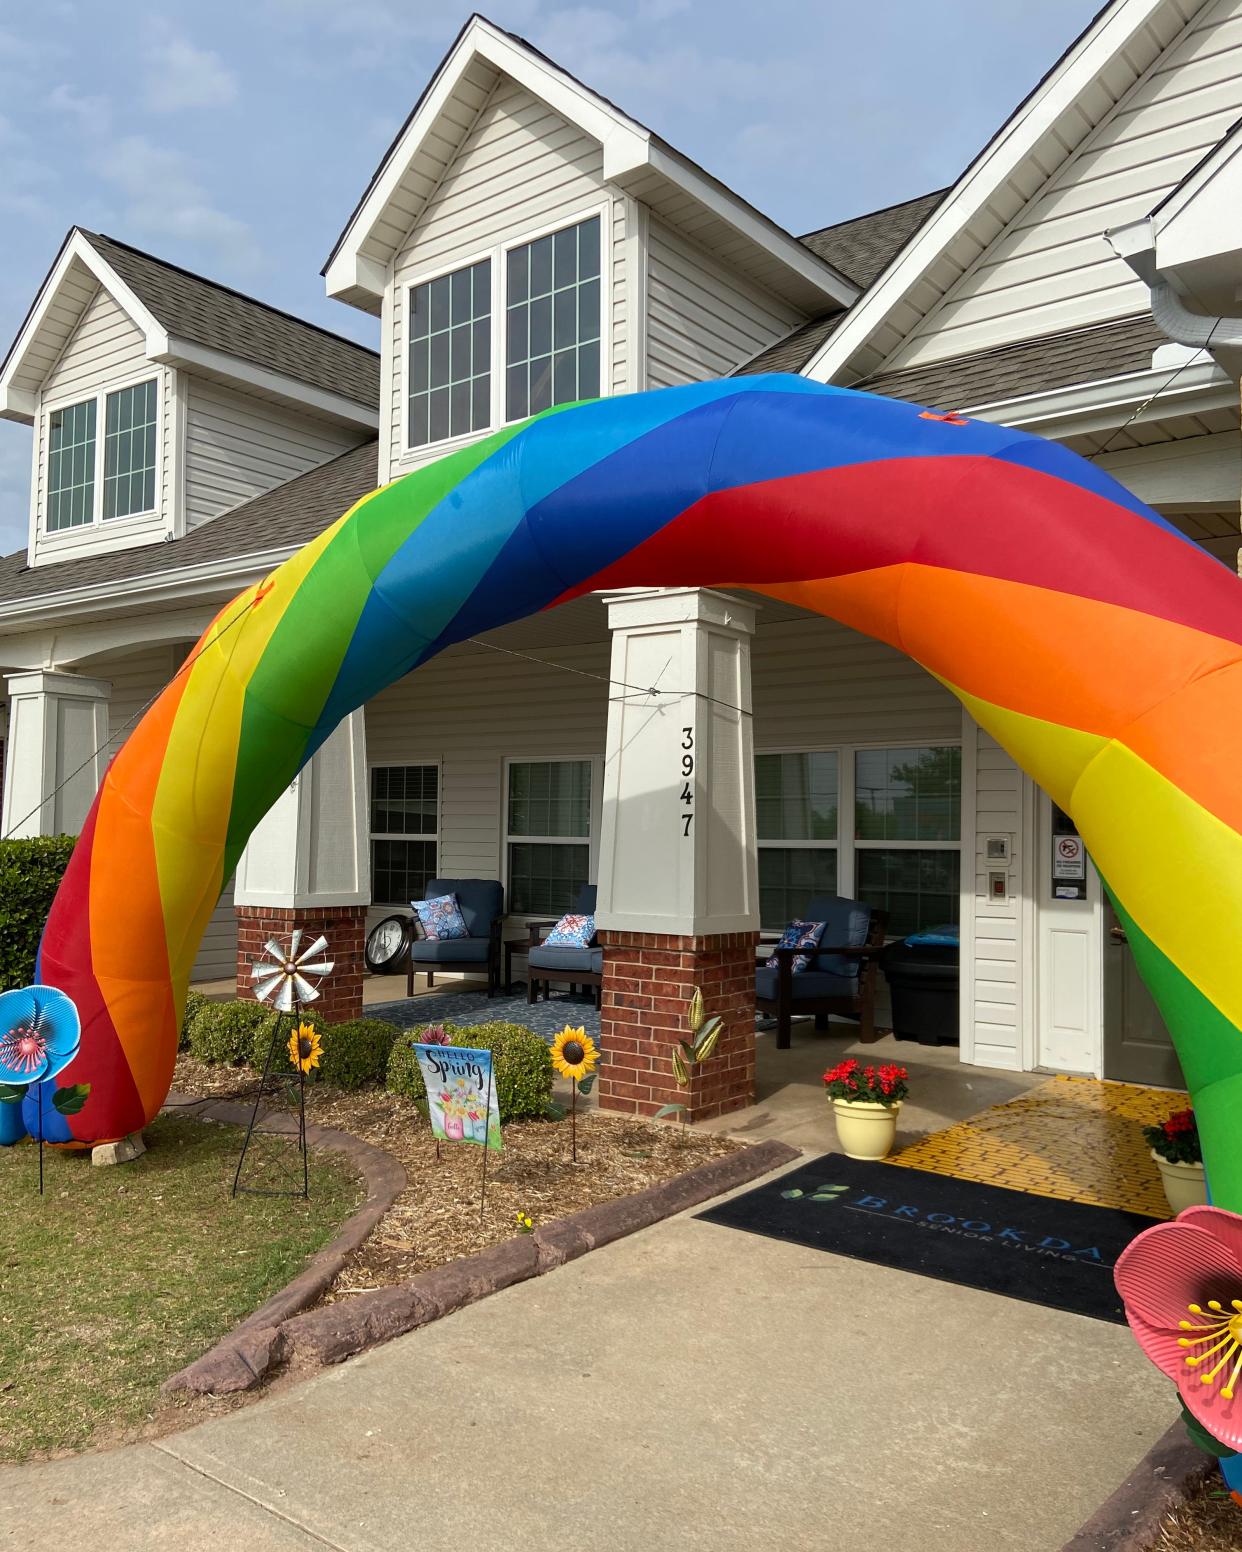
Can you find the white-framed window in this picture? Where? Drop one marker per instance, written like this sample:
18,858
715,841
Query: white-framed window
899,849
93,478
547,834
515,330
405,831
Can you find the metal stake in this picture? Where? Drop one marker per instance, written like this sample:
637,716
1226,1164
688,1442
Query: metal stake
258,1098
487,1134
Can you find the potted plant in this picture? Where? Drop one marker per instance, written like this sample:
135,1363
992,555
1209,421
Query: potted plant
1175,1147
865,1101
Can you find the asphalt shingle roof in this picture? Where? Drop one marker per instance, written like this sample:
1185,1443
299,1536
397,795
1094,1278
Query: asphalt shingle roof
1030,366
285,517
212,315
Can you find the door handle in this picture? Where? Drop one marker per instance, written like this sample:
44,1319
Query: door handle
1118,934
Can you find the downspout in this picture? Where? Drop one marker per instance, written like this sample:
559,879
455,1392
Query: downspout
1182,326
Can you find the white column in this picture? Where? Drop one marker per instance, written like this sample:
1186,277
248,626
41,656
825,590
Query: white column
312,846
58,722
677,844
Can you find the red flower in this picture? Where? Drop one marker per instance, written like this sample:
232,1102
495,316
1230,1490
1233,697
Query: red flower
1180,1122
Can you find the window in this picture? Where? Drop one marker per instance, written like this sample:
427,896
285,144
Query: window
405,823
88,482
796,800
548,834
129,451
71,466
545,334
552,320
451,355
907,834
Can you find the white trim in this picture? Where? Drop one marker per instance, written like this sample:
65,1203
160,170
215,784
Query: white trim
634,280
628,147
175,517
967,902
1079,69
332,406
497,254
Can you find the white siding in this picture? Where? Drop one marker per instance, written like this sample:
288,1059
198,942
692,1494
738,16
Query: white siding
237,447
1051,269
702,319
106,350
520,169
997,944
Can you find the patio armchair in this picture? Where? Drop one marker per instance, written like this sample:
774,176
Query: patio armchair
841,977
578,966
482,905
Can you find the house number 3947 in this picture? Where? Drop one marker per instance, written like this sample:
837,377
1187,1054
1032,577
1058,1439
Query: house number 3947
687,770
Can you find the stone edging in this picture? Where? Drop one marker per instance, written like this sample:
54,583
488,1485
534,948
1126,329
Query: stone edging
239,1360
1129,1520
285,1328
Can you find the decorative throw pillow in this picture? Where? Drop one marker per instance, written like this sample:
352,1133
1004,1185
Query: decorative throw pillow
798,934
571,931
441,917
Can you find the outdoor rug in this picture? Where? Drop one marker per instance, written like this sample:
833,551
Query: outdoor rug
1028,1247
546,1018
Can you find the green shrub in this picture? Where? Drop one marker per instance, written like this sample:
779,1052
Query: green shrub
227,1032
30,873
356,1052
195,1002
521,1062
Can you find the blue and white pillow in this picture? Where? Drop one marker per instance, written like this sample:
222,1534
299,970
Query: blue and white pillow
798,934
441,918
572,931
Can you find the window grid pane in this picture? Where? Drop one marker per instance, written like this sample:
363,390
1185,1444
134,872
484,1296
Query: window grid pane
550,797
450,361
129,451
401,870
552,324
918,889
71,466
546,878
790,878
908,794
404,799
796,796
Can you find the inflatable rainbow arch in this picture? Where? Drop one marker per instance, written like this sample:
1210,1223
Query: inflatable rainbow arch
1097,644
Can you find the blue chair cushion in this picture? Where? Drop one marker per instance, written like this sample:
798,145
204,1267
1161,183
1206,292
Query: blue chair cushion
481,901
449,951
566,961
807,987
845,921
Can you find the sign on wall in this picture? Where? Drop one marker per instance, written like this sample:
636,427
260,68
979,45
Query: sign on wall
1069,859
461,1094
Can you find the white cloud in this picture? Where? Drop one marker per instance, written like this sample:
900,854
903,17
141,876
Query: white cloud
181,76
165,198
94,114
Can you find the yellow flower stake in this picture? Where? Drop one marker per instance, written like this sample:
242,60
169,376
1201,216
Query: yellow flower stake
574,1055
305,1047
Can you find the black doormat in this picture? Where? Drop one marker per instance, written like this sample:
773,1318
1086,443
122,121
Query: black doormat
1026,1247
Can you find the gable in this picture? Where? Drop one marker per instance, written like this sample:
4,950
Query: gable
1051,268
106,345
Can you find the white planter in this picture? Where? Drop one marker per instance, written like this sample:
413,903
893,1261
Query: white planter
1184,1184
864,1130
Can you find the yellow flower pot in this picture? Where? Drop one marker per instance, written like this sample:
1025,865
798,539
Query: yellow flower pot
865,1130
1184,1184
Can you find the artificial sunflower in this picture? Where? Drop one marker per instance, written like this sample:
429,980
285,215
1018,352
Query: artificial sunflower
574,1053
304,1047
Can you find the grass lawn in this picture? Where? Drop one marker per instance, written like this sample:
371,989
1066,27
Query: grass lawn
118,1277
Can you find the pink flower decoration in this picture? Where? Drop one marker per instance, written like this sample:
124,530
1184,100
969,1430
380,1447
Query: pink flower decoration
1181,1284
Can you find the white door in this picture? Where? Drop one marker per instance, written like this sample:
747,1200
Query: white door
1068,908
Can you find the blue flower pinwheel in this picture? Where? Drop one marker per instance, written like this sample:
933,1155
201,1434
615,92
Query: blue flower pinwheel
39,1034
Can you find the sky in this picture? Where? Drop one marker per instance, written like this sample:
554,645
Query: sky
235,139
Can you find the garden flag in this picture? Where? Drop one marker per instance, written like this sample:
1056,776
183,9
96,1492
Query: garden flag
461,1094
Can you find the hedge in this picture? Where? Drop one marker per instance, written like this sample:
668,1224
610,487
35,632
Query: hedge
195,1002
351,1055
226,1032
522,1063
30,872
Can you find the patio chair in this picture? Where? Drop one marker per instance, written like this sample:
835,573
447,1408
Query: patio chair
578,966
482,905
841,977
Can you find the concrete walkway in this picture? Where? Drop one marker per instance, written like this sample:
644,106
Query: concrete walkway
689,1387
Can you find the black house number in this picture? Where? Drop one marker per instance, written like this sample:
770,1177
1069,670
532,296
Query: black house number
687,770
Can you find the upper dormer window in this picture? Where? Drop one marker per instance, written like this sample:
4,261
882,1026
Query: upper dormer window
90,479
546,292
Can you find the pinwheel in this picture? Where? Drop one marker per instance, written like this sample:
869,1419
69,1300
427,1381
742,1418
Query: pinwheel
281,977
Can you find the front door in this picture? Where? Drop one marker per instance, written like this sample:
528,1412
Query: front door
1137,1047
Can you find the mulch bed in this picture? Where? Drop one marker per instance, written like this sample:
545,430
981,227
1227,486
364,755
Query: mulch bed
436,1219
1207,1521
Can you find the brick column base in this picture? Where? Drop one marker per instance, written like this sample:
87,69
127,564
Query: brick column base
344,926
648,982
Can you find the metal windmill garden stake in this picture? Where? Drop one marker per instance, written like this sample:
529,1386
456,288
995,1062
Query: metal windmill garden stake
281,979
